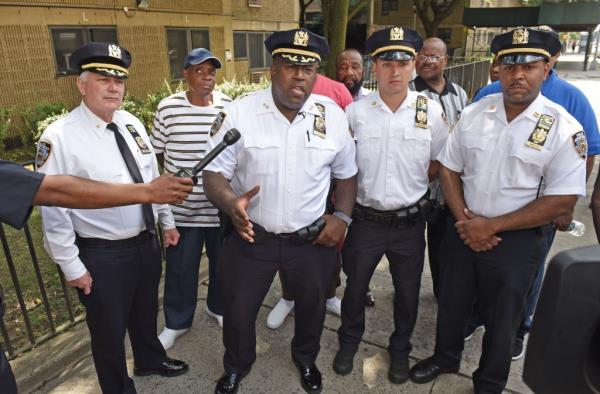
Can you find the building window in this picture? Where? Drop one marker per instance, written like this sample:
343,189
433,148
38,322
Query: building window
67,39
250,46
180,42
388,6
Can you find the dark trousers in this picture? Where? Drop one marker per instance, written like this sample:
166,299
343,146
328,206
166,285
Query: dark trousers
365,245
181,275
7,378
246,273
124,298
435,234
499,279
335,281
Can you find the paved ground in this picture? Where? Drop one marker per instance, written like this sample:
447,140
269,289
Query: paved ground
274,372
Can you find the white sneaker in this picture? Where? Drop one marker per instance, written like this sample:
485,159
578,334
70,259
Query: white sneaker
218,317
167,336
334,306
279,313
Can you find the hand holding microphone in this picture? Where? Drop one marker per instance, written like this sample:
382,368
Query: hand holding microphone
230,138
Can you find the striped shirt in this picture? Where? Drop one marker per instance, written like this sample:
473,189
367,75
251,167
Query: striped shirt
180,132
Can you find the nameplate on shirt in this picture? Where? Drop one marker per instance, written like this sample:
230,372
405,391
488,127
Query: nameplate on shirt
319,128
138,139
538,136
421,112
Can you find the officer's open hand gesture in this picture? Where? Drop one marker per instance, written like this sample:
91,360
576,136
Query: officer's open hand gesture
333,232
239,216
477,232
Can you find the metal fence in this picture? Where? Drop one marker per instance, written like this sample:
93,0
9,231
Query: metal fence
469,73
38,302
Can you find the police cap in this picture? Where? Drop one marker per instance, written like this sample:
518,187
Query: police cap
394,43
525,45
102,58
297,46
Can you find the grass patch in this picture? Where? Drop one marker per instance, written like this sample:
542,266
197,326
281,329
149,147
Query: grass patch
21,257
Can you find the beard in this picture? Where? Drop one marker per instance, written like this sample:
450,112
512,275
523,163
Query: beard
355,87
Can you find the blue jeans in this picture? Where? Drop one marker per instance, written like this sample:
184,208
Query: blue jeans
181,276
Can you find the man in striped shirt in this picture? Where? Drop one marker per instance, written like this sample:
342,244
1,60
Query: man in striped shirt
181,130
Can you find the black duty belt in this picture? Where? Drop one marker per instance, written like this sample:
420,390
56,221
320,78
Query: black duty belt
416,213
304,235
108,243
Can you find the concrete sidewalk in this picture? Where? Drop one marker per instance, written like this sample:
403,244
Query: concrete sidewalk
274,371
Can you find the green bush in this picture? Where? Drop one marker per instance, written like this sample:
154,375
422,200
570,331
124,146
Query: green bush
5,121
44,123
144,109
33,115
235,89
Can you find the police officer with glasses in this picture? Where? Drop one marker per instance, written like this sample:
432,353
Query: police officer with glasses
398,135
273,184
513,163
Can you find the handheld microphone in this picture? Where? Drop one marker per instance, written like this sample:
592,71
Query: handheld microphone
230,138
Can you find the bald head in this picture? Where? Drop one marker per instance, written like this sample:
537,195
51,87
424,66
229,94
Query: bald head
435,43
349,70
432,60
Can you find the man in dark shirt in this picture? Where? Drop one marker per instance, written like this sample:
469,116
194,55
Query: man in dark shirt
20,189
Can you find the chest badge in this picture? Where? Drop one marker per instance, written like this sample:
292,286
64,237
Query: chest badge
319,128
218,122
538,136
138,139
421,112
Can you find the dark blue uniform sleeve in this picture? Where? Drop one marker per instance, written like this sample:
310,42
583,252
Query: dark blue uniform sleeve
492,88
18,187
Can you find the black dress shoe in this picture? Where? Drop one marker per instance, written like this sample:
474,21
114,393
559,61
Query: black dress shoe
398,372
427,370
310,377
343,361
229,382
168,369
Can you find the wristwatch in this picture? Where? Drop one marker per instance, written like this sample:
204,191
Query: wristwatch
345,218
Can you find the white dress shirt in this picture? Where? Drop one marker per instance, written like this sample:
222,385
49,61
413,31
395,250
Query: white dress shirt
81,145
500,173
392,153
291,163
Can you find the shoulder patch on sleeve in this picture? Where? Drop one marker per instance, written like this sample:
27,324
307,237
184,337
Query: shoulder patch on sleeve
580,144
43,153
217,123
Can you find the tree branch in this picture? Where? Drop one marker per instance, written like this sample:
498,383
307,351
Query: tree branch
353,12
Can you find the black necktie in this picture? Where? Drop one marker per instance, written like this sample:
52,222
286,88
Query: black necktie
135,175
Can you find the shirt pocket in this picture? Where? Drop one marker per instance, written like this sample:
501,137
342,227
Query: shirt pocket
418,143
475,150
318,154
261,153
526,166
368,142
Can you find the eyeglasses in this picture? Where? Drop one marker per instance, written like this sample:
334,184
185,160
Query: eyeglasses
431,59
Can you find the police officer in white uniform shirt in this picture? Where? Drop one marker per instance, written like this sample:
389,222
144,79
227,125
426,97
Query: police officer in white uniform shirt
112,255
273,183
398,135
513,162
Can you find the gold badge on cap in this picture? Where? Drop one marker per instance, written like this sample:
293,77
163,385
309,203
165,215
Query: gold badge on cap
538,136
301,38
396,34
520,36
421,112
114,51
